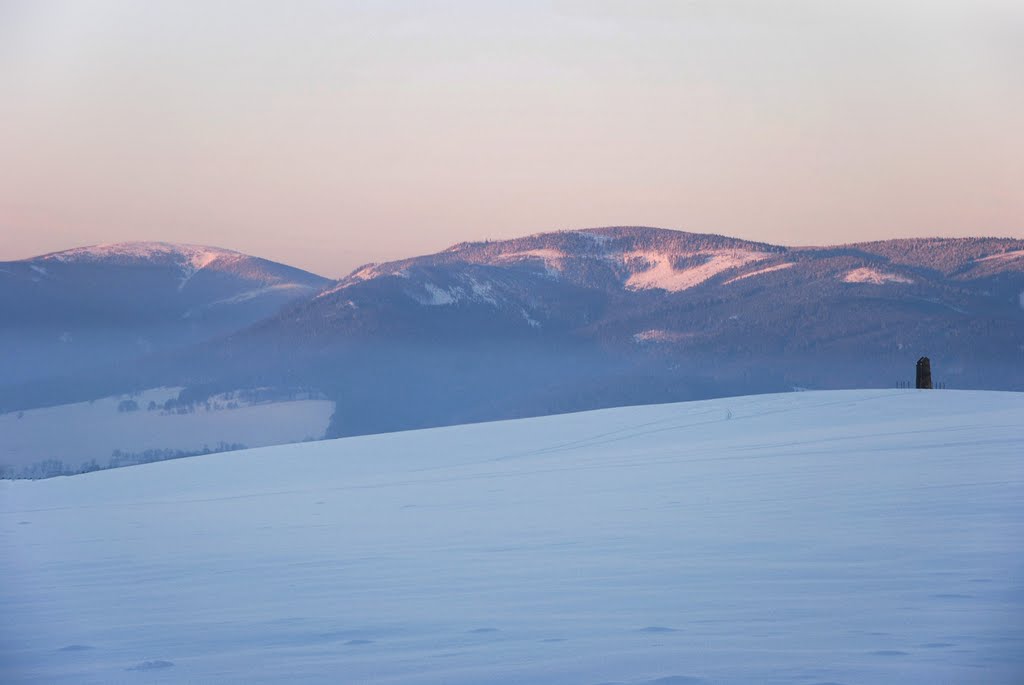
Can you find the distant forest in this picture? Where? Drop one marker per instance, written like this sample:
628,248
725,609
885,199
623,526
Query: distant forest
50,468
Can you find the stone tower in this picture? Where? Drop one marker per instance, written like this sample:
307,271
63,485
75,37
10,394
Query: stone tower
924,374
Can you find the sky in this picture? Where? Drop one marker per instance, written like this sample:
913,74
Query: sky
331,134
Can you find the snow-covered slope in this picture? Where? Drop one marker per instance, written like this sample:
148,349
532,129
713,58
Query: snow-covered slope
841,537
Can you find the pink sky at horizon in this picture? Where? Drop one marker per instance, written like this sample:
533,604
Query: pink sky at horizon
326,135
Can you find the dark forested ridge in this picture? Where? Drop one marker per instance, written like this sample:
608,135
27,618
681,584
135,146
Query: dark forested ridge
581,319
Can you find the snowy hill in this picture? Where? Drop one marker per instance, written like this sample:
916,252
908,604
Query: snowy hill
841,537
75,319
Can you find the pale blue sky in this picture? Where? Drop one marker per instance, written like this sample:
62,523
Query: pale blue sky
327,134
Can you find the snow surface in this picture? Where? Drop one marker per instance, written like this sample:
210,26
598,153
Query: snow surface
873,276
194,262
766,270
840,537
190,259
472,290
251,295
1013,254
196,256
437,296
661,274
660,335
553,260
366,273
533,322
76,433
482,292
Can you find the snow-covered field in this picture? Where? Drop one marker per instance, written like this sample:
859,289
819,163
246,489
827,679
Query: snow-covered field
77,433
819,537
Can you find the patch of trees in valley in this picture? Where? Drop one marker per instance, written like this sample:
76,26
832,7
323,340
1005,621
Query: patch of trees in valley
50,468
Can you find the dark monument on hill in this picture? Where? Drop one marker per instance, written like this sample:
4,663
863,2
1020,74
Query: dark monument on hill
924,374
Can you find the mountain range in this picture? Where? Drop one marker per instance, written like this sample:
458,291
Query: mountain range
547,323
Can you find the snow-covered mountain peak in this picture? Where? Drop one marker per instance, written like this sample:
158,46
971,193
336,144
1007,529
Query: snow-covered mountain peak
182,261
196,256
